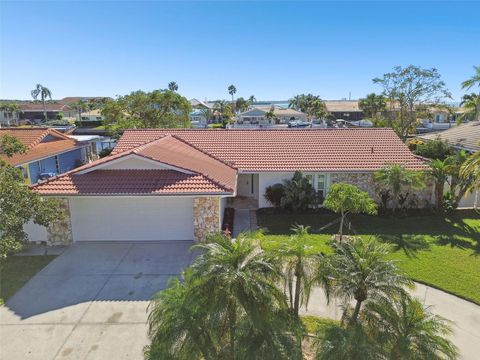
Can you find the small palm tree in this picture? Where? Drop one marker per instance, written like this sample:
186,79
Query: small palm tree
399,180
470,83
470,169
172,86
359,270
406,330
470,105
298,263
179,325
238,282
439,172
252,99
44,93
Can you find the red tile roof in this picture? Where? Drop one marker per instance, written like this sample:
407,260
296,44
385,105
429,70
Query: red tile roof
290,150
36,149
129,182
206,161
196,172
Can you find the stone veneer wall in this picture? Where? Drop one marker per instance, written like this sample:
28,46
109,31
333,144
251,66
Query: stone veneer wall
60,231
364,181
206,217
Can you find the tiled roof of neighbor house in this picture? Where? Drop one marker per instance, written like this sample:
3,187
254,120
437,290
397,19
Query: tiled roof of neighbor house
193,172
289,150
465,136
36,149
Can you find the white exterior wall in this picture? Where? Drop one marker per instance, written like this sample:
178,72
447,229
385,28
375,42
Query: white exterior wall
131,218
267,179
271,178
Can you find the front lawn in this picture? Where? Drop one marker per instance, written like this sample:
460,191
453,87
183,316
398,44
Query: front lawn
15,271
442,251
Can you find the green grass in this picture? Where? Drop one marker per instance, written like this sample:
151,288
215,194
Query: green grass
441,251
17,270
317,325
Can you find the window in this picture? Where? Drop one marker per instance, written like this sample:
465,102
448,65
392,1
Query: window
321,183
309,178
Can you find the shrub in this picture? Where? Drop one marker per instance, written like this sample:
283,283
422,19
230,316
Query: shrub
299,193
274,194
435,149
105,152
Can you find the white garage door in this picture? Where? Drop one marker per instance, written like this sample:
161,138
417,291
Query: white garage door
131,218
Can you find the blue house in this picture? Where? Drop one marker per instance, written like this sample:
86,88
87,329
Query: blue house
49,153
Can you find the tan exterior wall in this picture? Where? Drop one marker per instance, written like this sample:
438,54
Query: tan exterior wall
364,181
206,217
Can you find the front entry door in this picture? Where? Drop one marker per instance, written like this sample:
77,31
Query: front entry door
246,185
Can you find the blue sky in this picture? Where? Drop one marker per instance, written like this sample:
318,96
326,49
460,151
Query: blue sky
273,50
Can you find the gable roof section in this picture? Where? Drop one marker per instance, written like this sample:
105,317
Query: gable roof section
290,150
465,136
197,173
37,148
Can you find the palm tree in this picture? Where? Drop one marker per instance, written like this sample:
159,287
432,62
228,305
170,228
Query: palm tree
470,83
179,325
439,172
172,86
10,109
347,343
372,105
252,99
81,106
207,114
232,91
406,330
44,93
469,103
470,169
238,283
400,181
359,270
298,263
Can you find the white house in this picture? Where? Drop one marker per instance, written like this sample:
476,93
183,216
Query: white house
174,184
258,116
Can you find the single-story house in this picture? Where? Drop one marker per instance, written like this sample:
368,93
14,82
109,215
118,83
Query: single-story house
258,115
49,152
344,109
166,184
462,137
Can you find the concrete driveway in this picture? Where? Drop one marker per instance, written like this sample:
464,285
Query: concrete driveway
90,302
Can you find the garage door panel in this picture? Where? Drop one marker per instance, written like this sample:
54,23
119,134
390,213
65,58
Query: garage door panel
130,219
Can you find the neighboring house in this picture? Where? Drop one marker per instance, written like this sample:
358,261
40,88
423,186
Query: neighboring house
462,137
439,119
33,110
49,152
344,109
258,116
91,116
199,104
162,184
